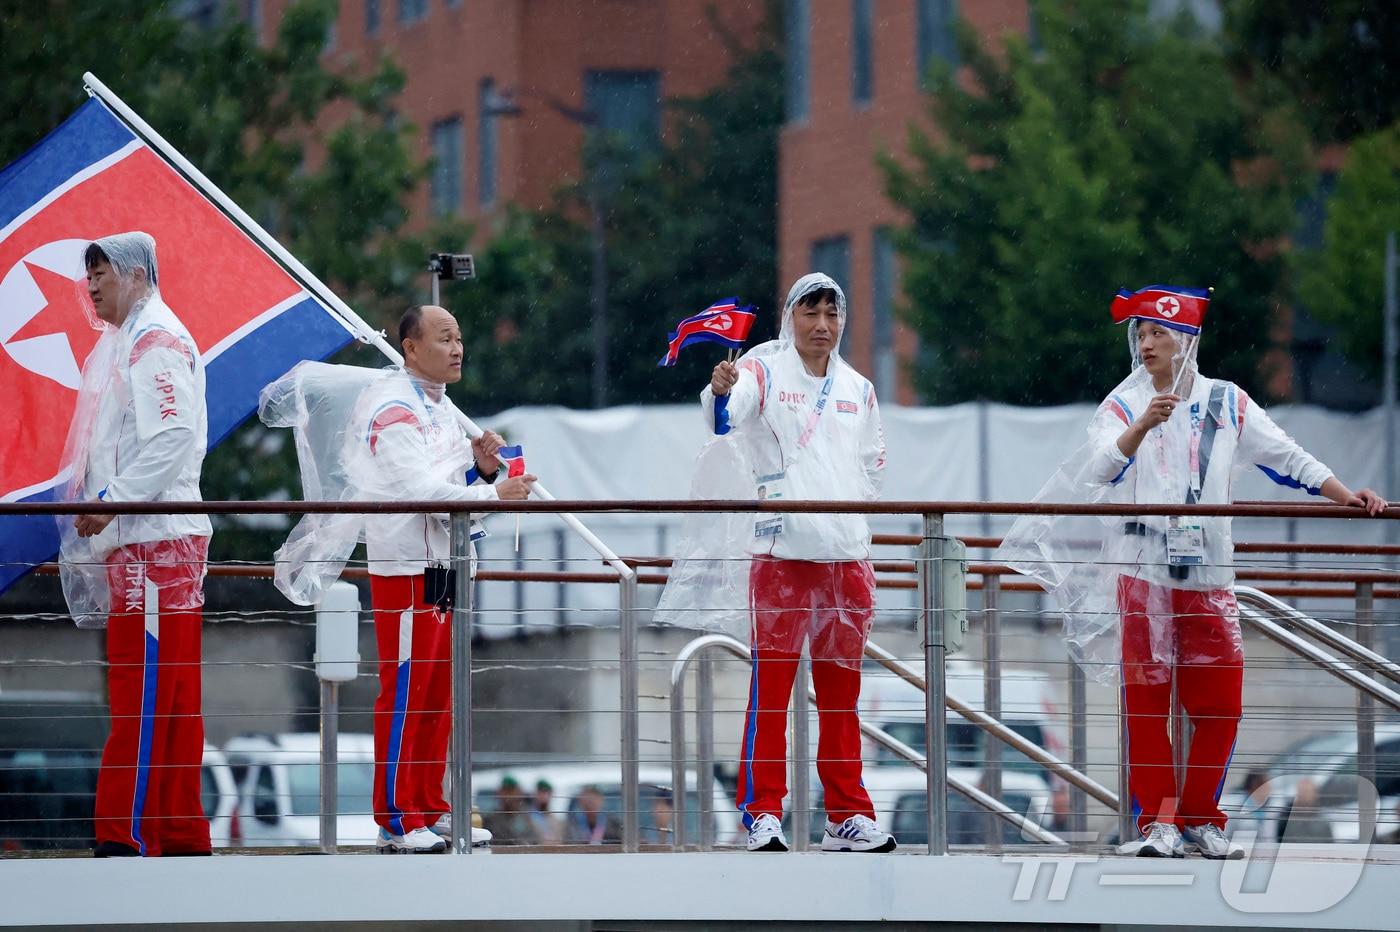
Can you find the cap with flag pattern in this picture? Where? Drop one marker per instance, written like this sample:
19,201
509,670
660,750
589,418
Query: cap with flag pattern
1182,309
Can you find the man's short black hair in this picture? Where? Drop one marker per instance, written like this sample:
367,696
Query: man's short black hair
408,323
813,298
94,256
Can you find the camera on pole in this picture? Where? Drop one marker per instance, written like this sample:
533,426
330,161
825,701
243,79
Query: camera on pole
450,266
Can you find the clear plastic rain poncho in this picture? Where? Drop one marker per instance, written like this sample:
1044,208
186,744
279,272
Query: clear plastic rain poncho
138,433
709,584
330,408
1146,592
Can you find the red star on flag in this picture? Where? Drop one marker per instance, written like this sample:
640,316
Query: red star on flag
63,313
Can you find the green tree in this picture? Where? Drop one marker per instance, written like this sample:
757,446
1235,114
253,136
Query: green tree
1338,57
690,223
1342,284
1121,154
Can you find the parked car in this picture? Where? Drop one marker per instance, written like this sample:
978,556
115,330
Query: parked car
279,789
569,783
1027,708
1328,809
50,750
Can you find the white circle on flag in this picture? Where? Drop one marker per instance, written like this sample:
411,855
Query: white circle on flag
21,300
718,322
1168,306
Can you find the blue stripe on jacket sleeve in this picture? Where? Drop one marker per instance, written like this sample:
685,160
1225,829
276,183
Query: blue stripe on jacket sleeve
721,415
1288,481
1124,471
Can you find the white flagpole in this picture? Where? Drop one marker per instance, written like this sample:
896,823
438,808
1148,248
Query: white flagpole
348,318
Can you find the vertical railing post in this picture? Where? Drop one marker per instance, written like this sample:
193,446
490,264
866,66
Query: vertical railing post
801,746
337,661
461,796
1127,825
1365,719
631,740
704,752
1078,748
991,691
330,756
678,763
931,601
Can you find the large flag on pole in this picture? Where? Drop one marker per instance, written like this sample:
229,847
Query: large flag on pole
91,177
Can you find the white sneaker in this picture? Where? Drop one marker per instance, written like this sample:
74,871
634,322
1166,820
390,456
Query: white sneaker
1212,843
858,833
1159,841
766,834
418,841
443,828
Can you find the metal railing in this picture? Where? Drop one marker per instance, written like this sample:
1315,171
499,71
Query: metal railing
1364,662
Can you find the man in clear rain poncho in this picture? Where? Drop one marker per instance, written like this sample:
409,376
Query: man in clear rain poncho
1154,596
138,434
393,435
796,422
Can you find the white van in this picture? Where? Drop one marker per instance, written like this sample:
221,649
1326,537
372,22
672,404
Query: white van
279,781
1027,707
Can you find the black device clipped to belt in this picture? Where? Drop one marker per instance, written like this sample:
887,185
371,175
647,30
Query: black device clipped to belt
440,587
1208,429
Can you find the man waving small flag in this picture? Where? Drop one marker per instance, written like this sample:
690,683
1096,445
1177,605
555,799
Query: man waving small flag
723,322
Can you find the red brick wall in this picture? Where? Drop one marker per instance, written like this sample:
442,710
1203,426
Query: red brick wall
829,184
539,49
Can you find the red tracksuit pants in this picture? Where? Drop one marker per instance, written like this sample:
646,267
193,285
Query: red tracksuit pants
148,785
413,715
832,604
1209,670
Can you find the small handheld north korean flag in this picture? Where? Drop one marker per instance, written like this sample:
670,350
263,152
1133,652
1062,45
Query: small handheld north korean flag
514,460
1177,308
724,322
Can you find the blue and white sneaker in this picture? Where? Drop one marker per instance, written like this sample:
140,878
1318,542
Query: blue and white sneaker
858,833
417,841
1211,842
766,834
481,837
1160,840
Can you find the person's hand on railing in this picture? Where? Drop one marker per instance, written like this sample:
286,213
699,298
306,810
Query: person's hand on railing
516,488
1369,500
92,525
1334,489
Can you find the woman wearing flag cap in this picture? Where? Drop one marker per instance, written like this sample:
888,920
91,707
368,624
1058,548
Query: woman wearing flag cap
1152,598
138,434
796,421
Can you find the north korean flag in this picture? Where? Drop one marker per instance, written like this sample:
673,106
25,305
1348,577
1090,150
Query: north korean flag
514,460
1181,309
90,178
722,322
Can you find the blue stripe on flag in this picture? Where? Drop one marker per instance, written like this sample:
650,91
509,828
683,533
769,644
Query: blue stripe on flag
89,135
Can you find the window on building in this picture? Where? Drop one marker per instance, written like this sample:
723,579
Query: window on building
833,256
797,23
1205,13
488,106
411,11
252,13
935,35
862,51
626,103
884,286
446,179
1033,40
371,17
